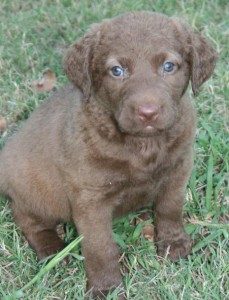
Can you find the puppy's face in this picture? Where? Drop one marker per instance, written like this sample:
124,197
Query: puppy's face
140,77
139,66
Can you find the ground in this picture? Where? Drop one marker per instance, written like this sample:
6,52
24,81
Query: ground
33,37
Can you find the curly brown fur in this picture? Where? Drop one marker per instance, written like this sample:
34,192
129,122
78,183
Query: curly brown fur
111,143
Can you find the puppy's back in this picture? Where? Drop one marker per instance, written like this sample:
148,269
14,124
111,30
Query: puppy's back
37,143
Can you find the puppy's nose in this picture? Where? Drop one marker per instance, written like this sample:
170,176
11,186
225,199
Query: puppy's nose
148,112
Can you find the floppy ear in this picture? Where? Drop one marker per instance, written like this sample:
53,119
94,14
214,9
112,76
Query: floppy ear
203,60
202,56
78,58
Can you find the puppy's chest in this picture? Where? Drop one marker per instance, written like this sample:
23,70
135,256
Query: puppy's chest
140,175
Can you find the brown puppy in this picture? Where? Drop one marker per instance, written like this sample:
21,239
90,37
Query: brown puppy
118,139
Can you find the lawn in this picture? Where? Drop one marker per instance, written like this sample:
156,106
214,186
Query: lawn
33,36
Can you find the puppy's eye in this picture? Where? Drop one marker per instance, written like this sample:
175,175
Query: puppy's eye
168,66
117,71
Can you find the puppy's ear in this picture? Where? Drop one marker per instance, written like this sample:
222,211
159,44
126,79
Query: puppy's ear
202,56
203,60
78,58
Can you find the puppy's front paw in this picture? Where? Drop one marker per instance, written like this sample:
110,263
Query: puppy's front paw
175,249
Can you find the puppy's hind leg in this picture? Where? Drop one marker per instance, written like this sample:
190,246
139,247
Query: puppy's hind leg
40,234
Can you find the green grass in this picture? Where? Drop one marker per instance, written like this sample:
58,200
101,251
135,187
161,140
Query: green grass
33,37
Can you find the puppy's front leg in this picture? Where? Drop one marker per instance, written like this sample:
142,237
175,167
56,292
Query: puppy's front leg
93,220
172,241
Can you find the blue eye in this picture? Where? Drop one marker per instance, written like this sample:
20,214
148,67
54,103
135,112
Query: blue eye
117,71
168,66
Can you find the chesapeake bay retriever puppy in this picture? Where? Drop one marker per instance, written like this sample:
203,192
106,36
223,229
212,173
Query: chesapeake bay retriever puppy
117,139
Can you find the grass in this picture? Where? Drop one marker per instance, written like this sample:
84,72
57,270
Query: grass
33,36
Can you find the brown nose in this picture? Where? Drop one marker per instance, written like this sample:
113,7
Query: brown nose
148,112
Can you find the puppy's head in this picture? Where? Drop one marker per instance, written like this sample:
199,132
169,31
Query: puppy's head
138,66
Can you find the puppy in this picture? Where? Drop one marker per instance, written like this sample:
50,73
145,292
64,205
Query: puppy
116,139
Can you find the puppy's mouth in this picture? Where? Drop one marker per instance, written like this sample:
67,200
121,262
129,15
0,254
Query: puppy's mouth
147,131
149,128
